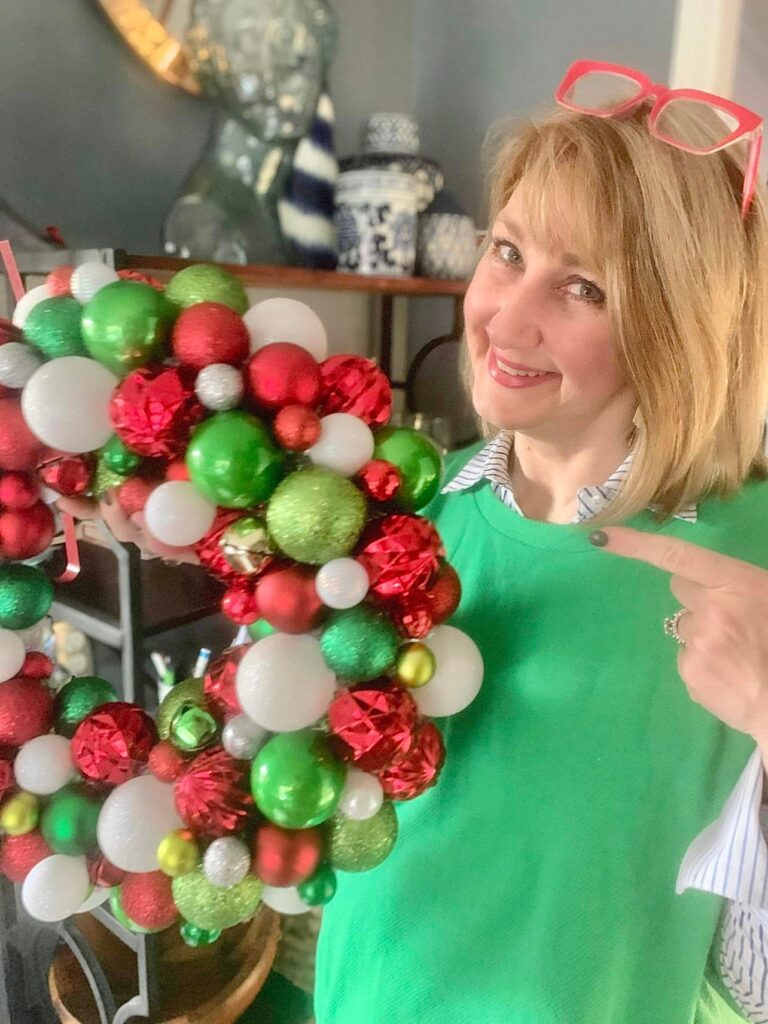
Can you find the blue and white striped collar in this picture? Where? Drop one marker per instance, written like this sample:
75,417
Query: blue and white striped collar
492,464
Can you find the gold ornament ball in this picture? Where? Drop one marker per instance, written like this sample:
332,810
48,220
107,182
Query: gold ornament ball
20,815
245,545
415,665
178,853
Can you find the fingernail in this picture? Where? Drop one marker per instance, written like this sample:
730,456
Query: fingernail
599,538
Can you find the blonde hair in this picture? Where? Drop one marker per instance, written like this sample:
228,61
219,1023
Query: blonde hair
686,282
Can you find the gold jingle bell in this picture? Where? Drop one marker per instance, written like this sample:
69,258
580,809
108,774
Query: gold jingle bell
20,814
246,546
415,665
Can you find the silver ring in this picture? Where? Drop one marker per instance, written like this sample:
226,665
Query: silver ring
671,624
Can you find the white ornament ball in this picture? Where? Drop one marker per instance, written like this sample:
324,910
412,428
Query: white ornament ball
89,278
226,862
43,765
97,897
27,303
283,682
458,675
12,654
135,817
242,738
66,404
219,386
342,583
17,364
345,445
36,636
56,887
177,514
284,901
282,319
362,795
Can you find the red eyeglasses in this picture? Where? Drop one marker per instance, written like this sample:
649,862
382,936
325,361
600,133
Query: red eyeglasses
611,90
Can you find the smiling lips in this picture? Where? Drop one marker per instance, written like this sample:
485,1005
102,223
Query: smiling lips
515,375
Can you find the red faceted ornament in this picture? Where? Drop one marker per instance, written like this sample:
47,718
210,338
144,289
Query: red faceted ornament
27,533
36,666
113,743
288,599
379,480
211,794
68,475
411,614
133,494
137,275
26,711
240,602
372,728
19,448
18,491
208,550
59,281
284,856
19,854
283,374
153,411
356,385
210,332
147,898
419,769
400,554
166,761
296,428
219,681
103,872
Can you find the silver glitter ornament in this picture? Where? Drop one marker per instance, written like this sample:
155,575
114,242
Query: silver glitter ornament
226,862
243,738
219,386
17,364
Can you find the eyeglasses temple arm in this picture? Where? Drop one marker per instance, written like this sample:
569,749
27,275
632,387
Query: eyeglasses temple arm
750,175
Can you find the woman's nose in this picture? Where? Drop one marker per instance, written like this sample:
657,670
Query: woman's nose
516,321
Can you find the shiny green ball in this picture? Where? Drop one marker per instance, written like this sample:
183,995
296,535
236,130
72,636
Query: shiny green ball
206,283
68,823
233,461
53,327
126,325
295,779
361,845
77,699
320,888
193,936
26,595
359,644
418,460
208,907
190,693
118,912
118,457
316,515
259,629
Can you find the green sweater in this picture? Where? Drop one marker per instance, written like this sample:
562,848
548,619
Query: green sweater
535,884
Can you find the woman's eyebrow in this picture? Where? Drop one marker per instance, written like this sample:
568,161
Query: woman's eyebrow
568,259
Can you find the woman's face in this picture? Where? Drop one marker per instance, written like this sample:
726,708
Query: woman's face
540,338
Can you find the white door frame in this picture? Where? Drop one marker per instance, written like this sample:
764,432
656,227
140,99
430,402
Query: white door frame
705,45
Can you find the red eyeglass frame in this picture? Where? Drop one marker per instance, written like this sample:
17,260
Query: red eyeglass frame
749,124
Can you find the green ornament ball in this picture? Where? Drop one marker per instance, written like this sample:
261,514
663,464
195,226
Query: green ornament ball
206,283
295,779
53,327
26,595
418,460
233,461
193,728
190,693
118,911
259,629
316,515
206,906
68,823
359,644
361,845
193,936
320,888
126,325
105,479
77,699
118,457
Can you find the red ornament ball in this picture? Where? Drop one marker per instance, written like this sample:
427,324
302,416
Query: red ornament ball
137,275
288,599
103,872
153,411
19,448
69,475
219,681
27,533
379,480
147,898
59,281
113,743
19,854
133,494
212,795
296,428
372,728
26,711
177,470
284,856
356,385
166,761
208,550
412,614
400,554
283,374
18,491
210,332
36,666
7,777
240,602
419,769
444,593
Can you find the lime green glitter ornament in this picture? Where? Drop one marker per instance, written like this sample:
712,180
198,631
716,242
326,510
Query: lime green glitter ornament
418,460
208,907
68,823
295,779
320,888
259,629
53,327
188,694
361,845
359,644
233,461
193,936
105,479
26,595
118,911
206,283
118,457
316,515
126,325
77,699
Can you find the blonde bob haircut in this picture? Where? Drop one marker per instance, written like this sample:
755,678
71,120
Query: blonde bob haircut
686,282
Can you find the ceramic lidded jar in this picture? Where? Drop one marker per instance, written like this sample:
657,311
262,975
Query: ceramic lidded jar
447,240
375,217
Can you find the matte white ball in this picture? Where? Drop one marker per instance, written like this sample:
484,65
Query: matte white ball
283,682
345,445
135,817
284,901
362,795
342,583
177,514
282,319
12,654
66,404
97,897
56,887
36,636
226,862
219,386
243,738
43,765
27,303
17,364
458,676
89,278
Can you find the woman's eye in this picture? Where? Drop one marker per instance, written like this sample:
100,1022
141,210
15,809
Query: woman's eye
506,251
585,291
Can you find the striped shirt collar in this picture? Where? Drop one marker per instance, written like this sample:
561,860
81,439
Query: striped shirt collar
492,464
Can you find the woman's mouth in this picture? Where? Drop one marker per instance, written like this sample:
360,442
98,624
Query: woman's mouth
515,375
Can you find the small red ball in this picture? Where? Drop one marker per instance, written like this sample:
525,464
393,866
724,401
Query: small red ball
356,385
18,491
113,743
137,275
412,614
379,480
283,374
240,602
132,495
420,767
59,281
166,762
147,898
69,475
219,681
288,599
36,666
177,470
19,448
26,711
444,594
372,728
153,411
284,857
19,854
210,332
296,428
26,534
